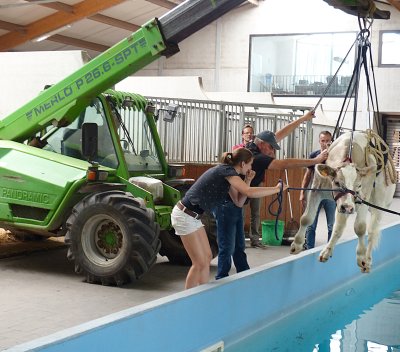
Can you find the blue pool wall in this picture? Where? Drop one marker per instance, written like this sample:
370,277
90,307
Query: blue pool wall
223,310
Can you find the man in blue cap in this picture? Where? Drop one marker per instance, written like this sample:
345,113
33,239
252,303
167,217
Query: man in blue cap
263,148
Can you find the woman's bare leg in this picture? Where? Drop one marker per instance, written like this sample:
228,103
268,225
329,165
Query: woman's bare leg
198,248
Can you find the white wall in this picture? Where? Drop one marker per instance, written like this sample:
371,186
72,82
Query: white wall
220,52
25,74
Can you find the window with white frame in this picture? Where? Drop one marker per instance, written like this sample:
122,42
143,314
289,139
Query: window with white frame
301,64
389,48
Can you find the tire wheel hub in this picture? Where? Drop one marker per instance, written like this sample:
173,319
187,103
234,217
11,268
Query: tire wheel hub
109,239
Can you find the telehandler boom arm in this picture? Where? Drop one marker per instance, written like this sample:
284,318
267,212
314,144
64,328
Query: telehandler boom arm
60,104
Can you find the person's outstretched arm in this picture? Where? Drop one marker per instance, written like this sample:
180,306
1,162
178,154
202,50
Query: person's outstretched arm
253,192
281,164
288,129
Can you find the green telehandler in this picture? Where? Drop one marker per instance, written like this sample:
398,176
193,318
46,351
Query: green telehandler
71,165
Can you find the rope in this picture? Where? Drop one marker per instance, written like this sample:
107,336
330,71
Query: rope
344,190
376,206
316,189
279,198
379,149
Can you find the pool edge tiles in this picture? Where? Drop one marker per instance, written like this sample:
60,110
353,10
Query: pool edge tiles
221,310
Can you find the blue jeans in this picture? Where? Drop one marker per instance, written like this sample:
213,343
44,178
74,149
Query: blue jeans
330,207
231,241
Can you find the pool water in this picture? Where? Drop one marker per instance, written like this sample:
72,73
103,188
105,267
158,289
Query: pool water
362,315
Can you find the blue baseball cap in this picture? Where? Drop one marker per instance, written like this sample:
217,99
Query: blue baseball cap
269,137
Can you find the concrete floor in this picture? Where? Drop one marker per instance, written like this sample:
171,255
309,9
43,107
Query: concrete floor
41,294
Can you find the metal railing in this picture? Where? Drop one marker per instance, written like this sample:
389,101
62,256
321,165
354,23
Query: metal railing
305,85
204,129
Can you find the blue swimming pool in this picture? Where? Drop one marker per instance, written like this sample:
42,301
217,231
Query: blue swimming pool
363,315
296,300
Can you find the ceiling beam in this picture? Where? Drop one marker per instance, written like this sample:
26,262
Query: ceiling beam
56,5
20,4
78,43
53,22
114,22
12,27
163,3
395,3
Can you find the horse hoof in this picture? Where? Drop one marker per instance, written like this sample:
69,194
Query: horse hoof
294,249
365,268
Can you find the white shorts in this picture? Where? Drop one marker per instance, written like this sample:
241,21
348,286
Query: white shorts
183,223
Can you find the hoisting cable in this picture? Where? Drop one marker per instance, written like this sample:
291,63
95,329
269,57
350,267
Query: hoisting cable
333,77
353,88
347,98
354,78
376,94
362,47
343,110
374,98
362,30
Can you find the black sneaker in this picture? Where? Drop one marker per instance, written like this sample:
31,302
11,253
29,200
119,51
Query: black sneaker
259,245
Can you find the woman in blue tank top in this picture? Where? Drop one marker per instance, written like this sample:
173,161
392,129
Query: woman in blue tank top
210,191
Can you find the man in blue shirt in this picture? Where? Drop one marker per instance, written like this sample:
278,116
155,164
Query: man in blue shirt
329,205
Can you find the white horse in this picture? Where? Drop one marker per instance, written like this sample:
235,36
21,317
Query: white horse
366,172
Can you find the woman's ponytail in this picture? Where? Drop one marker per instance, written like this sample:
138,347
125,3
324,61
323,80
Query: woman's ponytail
236,157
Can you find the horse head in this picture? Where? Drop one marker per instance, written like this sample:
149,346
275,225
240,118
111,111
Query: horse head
348,183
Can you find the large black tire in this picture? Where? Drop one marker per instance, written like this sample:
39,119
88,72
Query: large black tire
113,238
172,247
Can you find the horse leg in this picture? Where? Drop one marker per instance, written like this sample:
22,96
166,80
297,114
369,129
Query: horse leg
373,238
338,227
360,226
306,219
382,196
